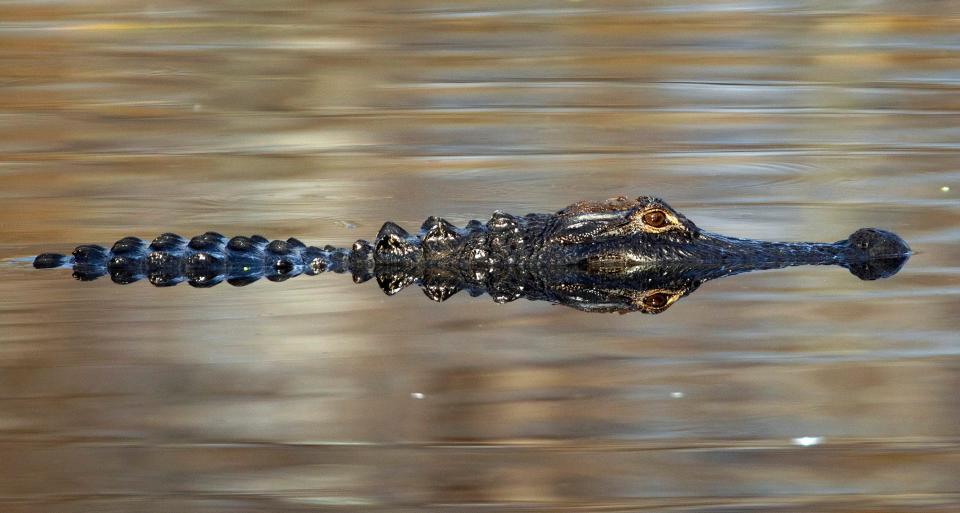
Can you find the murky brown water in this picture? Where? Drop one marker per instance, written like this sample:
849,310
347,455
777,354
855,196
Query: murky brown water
788,391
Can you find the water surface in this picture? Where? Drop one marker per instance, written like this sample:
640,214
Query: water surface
796,390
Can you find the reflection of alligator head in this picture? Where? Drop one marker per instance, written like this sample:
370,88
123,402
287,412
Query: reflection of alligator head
617,255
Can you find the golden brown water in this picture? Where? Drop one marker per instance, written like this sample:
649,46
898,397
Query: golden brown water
801,390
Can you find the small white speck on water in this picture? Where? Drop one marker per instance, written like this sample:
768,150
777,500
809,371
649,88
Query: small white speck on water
945,188
417,395
197,107
807,441
677,395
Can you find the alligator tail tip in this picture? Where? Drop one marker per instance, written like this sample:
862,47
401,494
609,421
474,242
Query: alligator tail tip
50,261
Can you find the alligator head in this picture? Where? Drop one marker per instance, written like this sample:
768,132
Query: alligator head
615,235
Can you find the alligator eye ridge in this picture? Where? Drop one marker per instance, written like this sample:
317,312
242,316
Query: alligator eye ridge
655,219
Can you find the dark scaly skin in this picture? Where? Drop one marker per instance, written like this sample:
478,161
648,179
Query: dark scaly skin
617,255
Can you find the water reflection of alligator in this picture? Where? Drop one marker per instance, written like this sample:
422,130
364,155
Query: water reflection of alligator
617,255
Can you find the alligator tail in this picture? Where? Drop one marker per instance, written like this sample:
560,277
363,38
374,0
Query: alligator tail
203,261
211,258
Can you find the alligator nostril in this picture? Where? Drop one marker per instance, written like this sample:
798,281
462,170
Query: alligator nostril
874,243
876,254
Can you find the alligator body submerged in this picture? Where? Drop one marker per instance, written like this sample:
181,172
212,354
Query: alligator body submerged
616,255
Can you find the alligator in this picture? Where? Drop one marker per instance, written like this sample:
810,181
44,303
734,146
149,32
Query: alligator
618,255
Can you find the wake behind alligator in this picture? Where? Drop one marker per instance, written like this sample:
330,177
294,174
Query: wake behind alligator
619,255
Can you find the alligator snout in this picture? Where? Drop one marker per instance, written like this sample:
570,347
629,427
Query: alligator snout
872,253
876,243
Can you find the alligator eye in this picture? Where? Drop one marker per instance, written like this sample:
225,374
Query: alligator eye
657,301
655,219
